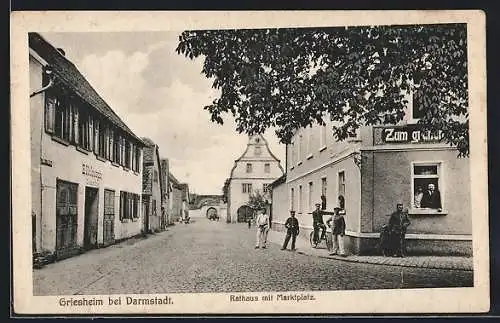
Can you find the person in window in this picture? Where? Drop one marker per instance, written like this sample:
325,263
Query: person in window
431,198
417,201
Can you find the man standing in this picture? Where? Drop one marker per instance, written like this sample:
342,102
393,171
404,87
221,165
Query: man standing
262,228
398,223
292,230
431,198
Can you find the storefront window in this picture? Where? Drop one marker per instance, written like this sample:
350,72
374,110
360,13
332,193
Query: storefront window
426,186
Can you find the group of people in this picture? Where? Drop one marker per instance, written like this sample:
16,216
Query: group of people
336,223
430,198
392,237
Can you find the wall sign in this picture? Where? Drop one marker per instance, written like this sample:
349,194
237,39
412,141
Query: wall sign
409,134
92,175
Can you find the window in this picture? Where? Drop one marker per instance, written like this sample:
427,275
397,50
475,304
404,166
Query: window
84,130
309,141
58,116
246,188
103,140
426,188
249,168
265,188
341,188
300,198
110,149
258,151
129,205
310,201
292,154
155,176
138,159
323,193
267,167
322,140
116,147
292,199
300,148
128,155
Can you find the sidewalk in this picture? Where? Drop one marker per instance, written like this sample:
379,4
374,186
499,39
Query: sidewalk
435,262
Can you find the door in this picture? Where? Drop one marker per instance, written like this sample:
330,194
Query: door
91,218
145,214
109,217
244,213
66,218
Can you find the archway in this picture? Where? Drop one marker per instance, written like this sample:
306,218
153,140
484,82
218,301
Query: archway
212,213
244,213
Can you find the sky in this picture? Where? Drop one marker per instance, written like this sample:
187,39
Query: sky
160,95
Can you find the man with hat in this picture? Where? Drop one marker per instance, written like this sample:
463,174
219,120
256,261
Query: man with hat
398,223
292,230
318,222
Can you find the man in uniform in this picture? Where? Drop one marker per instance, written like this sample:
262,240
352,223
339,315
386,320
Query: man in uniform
398,223
292,230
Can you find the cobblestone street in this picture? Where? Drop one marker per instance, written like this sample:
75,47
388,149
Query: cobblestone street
206,256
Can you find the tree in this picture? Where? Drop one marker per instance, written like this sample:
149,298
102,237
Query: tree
257,200
294,78
225,190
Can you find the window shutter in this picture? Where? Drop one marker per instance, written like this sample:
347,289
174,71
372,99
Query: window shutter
50,106
76,117
110,144
96,137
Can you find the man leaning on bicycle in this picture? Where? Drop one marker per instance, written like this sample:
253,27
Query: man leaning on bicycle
318,222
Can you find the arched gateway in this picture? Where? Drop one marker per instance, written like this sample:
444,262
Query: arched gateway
244,213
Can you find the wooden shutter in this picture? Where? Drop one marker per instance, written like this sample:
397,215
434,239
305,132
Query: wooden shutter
50,113
96,137
76,117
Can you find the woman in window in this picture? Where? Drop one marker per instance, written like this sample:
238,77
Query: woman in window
419,193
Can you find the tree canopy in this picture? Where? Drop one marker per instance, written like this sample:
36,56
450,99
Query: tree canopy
355,76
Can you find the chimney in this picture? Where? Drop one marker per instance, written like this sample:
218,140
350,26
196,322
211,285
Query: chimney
60,50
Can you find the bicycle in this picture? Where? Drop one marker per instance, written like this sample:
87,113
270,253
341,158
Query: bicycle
327,238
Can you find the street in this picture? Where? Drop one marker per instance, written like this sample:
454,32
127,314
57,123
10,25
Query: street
207,256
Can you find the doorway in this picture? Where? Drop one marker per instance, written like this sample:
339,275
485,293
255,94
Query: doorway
91,218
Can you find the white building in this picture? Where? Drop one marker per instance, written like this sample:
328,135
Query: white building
253,171
86,174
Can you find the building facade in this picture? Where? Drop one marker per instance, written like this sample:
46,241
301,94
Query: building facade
252,172
152,189
373,171
165,209
85,162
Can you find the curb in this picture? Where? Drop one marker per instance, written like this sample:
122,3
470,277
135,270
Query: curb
347,259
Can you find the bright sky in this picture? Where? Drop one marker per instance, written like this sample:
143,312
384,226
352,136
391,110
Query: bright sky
160,95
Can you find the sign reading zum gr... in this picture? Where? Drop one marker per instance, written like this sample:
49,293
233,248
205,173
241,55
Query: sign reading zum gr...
404,134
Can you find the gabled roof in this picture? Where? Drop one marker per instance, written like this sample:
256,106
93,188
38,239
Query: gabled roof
278,181
66,72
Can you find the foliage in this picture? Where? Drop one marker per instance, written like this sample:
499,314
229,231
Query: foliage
225,190
294,78
257,200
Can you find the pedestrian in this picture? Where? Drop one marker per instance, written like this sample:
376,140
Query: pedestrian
398,223
292,230
262,229
249,220
338,231
318,223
